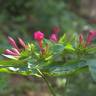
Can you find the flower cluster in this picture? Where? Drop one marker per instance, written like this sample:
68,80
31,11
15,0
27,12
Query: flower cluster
90,37
15,51
39,37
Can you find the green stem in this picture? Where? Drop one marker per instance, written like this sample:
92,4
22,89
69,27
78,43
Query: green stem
49,85
47,82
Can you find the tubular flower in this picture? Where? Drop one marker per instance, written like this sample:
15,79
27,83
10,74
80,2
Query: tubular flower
12,43
53,38
90,37
39,36
54,35
15,51
9,52
21,42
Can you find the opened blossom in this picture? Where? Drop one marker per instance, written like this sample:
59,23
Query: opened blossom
39,36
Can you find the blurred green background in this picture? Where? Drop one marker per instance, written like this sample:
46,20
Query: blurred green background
21,18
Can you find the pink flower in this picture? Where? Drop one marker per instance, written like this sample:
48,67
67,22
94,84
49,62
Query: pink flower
21,42
9,52
54,35
12,42
55,29
15,51
39,36
90,37
53,38
80,38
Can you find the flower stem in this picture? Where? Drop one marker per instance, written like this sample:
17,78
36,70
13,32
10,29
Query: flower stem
47,82
49,85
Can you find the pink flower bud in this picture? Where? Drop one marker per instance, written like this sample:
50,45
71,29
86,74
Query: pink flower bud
22,42
39,36
90,37
53,38
9,52
80,38
12,42
55,30
92,32
15,51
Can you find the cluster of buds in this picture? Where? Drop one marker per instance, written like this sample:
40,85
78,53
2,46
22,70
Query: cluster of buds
39,36
15,51
90,37
54,35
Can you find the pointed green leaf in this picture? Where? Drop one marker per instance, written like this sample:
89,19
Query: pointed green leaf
12,63
63,69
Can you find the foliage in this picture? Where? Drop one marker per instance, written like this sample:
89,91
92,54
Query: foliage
52,59
63,59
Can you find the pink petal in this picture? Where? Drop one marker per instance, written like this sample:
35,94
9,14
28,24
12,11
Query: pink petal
15,51
12,42
38,36
9,52
53,38
90,36
22,42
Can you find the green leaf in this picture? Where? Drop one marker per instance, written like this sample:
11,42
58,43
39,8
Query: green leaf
1,50
57,48
7,70
69,47
92,67
4,70
13,63
63,39
63,69
24,54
